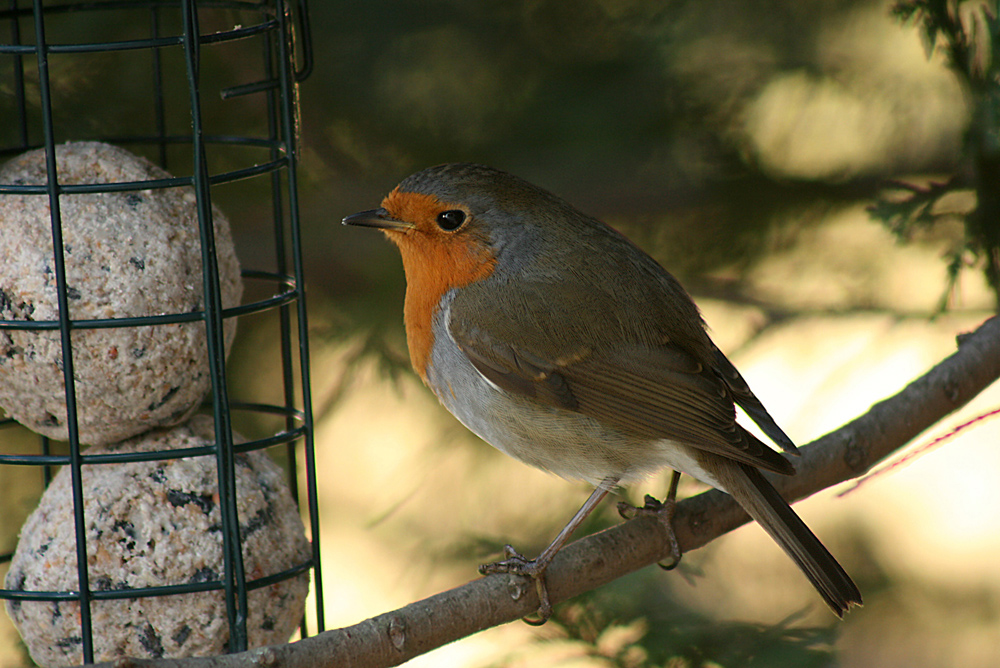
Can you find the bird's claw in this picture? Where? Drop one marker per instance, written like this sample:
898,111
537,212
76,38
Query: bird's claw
516,563
513,562
663,511
651,506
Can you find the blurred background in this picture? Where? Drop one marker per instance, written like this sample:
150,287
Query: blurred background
741,144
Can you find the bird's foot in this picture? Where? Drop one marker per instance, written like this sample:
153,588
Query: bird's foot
663,512
514,562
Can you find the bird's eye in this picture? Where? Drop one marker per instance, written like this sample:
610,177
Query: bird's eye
451,220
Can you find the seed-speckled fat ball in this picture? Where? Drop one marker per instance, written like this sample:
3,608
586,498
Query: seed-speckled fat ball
132,253
158,523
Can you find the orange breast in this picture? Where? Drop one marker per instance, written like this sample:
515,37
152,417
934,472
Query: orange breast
435,262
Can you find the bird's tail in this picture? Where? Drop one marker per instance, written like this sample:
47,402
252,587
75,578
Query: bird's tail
763,503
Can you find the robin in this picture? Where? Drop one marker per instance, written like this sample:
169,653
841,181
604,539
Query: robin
564,345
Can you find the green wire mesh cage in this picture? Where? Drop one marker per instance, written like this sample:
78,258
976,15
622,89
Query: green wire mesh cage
129,116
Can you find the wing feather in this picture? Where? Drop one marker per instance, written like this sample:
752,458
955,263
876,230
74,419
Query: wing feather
652,392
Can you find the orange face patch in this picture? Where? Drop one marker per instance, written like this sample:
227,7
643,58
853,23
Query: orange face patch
435,261
413,208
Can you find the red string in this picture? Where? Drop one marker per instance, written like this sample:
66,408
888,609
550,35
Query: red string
908,457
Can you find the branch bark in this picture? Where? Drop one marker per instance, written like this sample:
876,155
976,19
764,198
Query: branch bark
394,637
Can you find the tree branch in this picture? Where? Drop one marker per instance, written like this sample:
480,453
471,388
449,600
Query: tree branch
394,637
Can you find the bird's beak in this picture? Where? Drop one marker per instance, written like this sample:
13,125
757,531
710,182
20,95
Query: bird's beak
379,218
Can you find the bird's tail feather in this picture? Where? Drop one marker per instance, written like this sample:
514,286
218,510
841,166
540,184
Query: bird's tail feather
763,503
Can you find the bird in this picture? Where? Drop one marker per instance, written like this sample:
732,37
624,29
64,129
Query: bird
560,342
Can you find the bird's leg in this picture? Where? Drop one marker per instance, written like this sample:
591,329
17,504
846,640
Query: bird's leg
535,568
662,511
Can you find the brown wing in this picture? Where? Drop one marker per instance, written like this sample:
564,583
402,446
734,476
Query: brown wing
749,402
653,392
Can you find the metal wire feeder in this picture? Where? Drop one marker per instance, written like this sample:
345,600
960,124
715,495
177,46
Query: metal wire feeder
173,31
